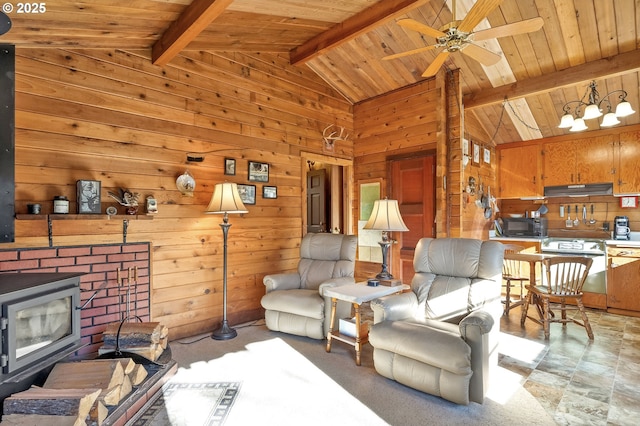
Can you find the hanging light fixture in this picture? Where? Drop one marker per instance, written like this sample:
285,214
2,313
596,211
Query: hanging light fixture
593,104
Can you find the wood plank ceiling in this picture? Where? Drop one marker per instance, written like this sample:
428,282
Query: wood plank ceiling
344,41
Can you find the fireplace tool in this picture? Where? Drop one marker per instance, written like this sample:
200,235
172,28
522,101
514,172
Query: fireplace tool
118,353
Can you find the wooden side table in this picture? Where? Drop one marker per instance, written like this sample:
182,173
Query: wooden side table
356,294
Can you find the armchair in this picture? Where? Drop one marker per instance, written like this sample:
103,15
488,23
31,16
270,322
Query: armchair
442,336
294,302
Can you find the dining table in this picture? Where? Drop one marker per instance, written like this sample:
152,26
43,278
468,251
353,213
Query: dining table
533,259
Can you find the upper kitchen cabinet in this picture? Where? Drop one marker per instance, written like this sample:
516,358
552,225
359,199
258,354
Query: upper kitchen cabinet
627,155
520,170
589,160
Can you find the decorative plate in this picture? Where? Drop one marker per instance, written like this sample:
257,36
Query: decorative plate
186,184
112,211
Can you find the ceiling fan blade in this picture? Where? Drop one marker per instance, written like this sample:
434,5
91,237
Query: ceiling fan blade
522,27
477,13
480,54
421,28
410,52
436,64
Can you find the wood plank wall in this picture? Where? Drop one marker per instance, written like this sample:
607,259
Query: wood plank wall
112,116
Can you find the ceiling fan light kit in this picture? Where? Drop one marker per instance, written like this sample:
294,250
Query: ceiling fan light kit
458,36
593,109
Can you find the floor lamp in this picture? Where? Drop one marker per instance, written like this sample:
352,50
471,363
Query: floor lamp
385,217
225,200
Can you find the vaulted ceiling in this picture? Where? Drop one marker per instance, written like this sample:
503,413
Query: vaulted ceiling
344,42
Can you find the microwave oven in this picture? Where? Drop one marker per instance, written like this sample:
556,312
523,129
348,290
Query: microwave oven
524,227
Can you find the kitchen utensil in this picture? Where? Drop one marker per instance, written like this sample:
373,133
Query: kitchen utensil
561,211
584,214
576,221
543,210
592,220
568,222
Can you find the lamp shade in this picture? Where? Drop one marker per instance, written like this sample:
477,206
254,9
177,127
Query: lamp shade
386,217
624,109
609,120
578,125
226,199
566,121
592,111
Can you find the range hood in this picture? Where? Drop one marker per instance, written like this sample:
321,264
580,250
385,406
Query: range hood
579,190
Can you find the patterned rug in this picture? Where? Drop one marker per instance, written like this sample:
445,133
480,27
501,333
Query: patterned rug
189,404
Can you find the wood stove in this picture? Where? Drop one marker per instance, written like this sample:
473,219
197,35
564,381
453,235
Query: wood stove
39,325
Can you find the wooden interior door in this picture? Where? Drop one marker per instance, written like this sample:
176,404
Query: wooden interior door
316,201
413,185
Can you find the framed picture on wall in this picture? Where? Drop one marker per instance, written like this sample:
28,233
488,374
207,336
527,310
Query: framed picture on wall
247,193
258,172
229,166
476,153
269,192
487,156
465,146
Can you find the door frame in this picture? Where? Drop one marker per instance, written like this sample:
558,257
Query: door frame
347,193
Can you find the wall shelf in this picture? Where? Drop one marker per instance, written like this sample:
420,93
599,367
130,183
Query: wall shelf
52,217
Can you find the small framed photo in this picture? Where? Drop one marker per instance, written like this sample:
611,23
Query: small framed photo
247,193
88,196
476,153
465,146
258,172
487,156
269,192
230,166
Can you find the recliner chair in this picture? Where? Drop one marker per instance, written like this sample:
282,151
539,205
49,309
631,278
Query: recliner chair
442,336
294,302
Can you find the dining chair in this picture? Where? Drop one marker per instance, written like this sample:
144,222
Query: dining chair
512,276
563,278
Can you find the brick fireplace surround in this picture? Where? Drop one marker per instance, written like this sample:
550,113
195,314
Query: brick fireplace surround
99,263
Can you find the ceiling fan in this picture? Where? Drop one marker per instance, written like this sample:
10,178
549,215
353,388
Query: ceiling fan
459,36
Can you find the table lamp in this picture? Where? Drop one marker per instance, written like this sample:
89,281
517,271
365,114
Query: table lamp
385,217
225,200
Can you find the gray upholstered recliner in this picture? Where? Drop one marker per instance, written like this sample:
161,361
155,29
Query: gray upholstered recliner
294,302
442,336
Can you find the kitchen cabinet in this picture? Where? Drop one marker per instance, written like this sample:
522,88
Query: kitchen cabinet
623,270
582,161
627,155
520,172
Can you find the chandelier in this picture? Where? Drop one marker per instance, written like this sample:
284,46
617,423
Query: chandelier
593,105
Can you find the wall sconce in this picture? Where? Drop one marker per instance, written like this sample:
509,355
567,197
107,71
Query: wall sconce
593,109
186,184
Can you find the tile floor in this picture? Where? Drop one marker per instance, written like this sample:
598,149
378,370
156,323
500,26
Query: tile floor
579,382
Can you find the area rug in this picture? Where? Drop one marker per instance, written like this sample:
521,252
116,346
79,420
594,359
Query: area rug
279,387
189,404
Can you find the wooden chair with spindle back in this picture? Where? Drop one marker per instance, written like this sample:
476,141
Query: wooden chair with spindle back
563,279
512,276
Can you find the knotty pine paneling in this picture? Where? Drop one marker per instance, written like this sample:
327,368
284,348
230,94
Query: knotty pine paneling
112,116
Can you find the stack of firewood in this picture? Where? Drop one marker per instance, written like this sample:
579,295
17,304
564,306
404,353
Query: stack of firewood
75,392
148,339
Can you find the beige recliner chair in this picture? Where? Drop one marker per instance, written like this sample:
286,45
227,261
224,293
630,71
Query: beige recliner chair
294,302
442,336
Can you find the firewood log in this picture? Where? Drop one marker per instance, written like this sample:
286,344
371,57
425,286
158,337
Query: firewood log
138,374
107,376
40,420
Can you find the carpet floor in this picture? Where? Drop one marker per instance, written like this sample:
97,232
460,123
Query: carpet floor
287,380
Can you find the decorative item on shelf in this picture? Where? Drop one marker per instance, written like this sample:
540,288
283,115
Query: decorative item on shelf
330,138
225,200
593,105
88,196
33,208
126,198
60,204
111,211
152,205
385,217
186,184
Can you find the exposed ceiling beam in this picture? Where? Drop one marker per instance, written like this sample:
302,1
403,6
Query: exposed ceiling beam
358,24
195,18
602,68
